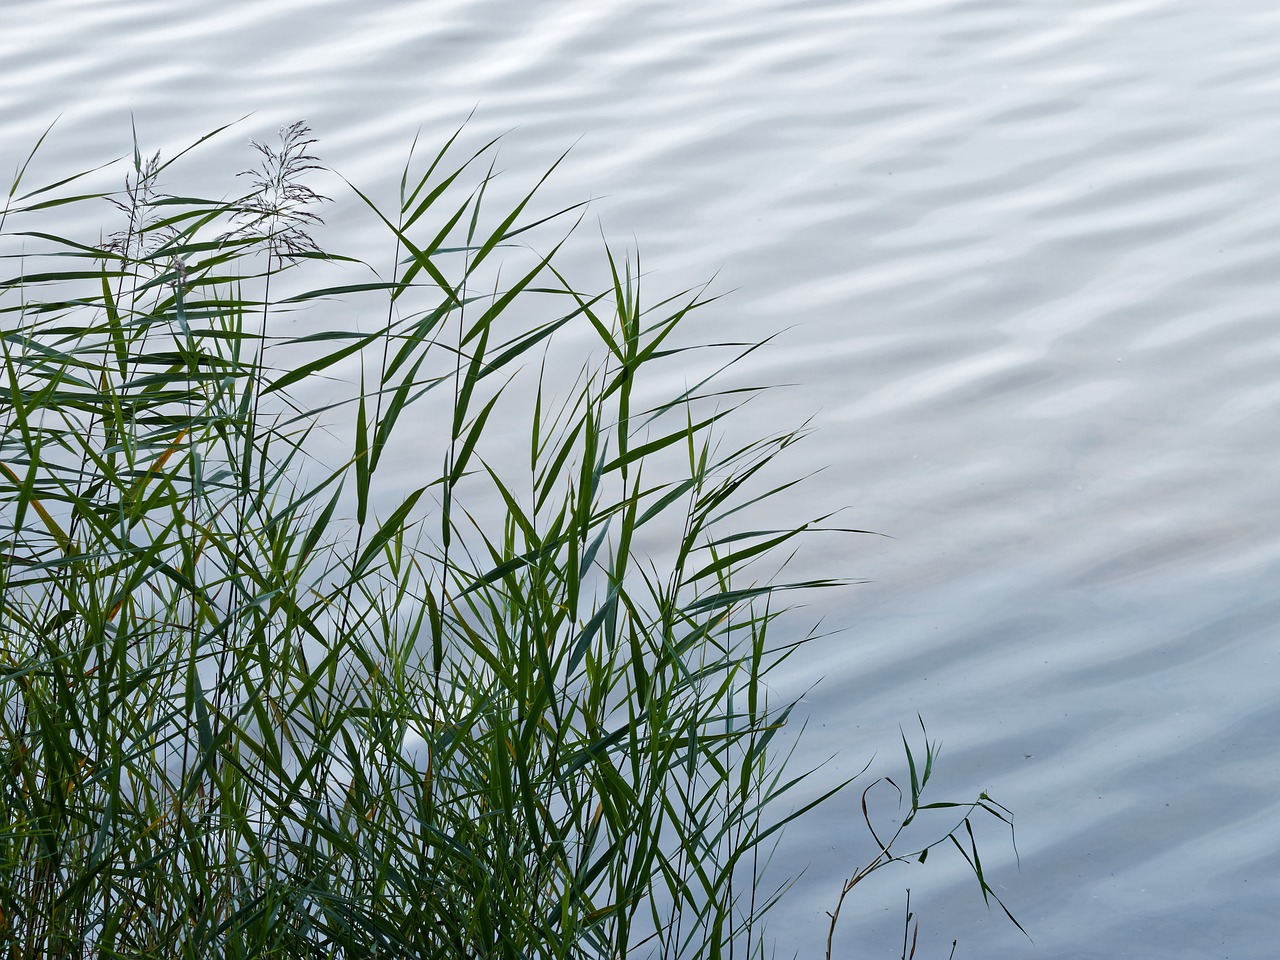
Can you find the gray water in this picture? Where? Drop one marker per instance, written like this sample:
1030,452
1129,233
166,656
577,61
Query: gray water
1025,255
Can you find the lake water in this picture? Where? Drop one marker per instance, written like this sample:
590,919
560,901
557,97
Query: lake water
1027,258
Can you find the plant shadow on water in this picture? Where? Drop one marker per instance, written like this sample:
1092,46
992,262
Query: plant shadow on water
253,705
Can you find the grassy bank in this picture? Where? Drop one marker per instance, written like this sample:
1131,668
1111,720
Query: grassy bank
298,659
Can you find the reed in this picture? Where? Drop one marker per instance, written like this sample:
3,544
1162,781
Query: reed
262,700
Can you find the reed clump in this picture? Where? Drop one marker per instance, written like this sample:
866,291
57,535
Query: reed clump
405,700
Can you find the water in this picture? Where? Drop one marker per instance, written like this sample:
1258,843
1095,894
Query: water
1026,256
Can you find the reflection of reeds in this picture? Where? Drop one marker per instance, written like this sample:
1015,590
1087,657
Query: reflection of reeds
236,722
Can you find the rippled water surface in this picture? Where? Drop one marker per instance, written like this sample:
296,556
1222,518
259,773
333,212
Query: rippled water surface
1026,255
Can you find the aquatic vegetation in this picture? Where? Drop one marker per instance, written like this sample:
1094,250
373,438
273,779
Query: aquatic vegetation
278,681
